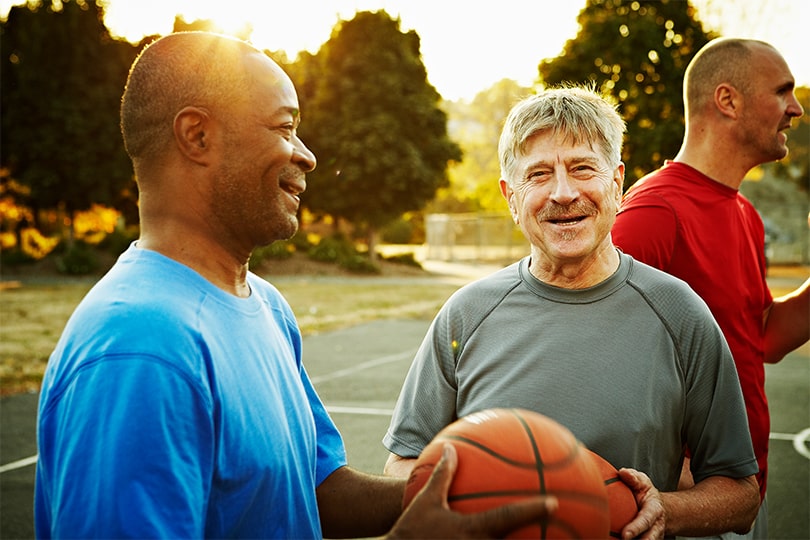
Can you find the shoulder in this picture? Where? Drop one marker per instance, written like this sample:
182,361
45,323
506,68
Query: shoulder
668,295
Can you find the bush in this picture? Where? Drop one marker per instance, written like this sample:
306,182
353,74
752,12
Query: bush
333,249
80,259
406,259
359,263
280,250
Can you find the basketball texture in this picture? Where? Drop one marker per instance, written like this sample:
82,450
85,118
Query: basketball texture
505,455
621,501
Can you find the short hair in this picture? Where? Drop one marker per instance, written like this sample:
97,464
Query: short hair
577,113
175,71
722,60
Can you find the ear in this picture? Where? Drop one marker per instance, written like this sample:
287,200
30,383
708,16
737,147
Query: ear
618,182
190,125
509,194
727,100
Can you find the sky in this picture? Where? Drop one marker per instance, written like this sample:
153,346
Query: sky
466,46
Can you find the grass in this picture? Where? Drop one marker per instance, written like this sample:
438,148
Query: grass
32,316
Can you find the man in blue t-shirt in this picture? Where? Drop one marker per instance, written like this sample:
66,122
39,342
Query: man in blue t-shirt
176,404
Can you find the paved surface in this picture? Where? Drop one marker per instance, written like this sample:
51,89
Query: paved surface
358,372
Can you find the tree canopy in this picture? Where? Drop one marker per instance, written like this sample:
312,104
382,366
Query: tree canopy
373,121
635,51
61,88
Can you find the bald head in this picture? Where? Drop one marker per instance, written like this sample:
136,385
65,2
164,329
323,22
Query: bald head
188,68
724,60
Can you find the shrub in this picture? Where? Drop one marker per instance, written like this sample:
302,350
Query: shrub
79,259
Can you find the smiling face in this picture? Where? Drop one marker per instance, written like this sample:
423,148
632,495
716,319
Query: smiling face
564,196
262,168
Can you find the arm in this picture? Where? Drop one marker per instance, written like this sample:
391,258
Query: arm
787,323
713,506
355,504
352,503
398,466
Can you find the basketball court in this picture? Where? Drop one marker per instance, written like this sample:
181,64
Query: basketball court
358,372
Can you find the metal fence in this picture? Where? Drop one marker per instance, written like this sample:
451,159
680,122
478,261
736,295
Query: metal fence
495,237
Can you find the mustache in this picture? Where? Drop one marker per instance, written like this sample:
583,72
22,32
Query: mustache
553,210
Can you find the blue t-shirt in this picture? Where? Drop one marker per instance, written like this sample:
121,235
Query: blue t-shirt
173,409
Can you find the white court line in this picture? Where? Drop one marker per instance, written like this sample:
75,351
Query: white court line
360,410
19,464
800,440
365,365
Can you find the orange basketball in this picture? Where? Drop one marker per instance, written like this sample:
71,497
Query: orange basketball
622,502
508,454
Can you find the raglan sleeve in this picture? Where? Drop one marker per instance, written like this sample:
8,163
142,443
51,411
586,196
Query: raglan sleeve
427,400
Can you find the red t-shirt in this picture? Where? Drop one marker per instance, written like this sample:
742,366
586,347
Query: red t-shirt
709,235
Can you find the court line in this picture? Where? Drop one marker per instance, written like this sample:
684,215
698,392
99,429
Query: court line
19,464
407,355
800,440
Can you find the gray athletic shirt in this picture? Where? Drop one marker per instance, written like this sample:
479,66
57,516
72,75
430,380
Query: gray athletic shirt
635,367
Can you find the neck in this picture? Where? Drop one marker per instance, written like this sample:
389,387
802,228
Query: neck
208,259
575,274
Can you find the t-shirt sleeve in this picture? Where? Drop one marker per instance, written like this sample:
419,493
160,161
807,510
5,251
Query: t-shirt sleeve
646,229
716,425
427,401
133,458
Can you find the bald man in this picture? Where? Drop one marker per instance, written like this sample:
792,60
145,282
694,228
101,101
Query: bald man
689,219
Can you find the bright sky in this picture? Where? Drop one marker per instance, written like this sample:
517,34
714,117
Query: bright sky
466,46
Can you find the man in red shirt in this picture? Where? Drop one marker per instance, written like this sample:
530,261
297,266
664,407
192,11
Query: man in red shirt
689,219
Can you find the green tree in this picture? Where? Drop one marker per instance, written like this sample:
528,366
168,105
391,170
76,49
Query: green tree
635,51
477,128
61,88
374,123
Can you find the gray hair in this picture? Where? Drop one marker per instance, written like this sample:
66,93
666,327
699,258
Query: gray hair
577,113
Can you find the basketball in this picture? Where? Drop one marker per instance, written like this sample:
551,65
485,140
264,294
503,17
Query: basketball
622,502
505,455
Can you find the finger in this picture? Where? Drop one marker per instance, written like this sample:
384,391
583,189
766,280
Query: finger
438,485
499,522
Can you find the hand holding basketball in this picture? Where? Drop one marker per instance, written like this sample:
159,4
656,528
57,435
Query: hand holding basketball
506,455
427,515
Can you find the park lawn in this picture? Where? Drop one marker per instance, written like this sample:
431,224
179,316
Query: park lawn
32,316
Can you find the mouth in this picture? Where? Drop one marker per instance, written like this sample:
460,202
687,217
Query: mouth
293,187
567,220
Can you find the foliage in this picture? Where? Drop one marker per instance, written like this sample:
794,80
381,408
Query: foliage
373,121
62,80
78,259
477,127
637,52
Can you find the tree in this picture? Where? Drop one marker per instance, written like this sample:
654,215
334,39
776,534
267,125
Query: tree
476,126
61,88
635,51
373,121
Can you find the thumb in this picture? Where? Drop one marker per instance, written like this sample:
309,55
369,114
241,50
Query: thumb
438,485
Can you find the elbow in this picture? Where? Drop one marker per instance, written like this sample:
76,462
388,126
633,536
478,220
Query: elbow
749,509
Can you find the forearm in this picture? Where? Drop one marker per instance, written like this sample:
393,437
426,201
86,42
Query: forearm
787,323
713,506
399,467
353,504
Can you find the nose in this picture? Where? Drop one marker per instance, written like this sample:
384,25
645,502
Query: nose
563,190
303,156
794,109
